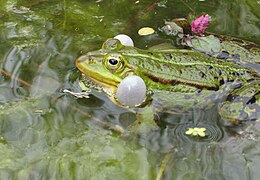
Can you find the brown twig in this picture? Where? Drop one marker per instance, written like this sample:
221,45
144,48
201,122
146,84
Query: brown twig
15,78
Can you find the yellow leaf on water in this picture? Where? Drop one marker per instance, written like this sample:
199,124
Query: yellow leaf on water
195,133
201,134
190,131
145,31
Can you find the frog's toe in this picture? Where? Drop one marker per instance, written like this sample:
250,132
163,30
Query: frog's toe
236,112
242,104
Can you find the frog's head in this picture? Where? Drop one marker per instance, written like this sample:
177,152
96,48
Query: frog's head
106,67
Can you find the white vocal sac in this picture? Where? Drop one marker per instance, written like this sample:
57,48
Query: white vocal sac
124,39
131,91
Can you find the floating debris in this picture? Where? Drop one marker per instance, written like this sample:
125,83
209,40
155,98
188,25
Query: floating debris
78,95
146,31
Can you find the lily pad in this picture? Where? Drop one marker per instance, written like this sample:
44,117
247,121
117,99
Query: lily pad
208,44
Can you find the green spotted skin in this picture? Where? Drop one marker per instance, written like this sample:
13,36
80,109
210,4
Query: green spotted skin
179,80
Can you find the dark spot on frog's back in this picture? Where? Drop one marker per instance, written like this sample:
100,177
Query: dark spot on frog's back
249,46
230,80
235,73
210,67
219,72
168,56
198,91
165,66
150,53
221,82
231,97
237,40
223,55
252,100
202,74
236,57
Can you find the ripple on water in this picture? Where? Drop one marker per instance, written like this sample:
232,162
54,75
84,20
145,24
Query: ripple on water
173,134
213,133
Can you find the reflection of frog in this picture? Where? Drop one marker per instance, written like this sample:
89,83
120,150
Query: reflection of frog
179,79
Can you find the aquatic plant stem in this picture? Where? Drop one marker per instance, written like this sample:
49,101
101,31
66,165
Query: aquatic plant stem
163,165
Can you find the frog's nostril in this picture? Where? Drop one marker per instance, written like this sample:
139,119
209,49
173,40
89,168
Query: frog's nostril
90,60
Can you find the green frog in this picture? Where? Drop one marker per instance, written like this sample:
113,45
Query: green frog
181,80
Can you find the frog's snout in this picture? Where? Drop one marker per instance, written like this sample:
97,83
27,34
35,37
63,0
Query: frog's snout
86,59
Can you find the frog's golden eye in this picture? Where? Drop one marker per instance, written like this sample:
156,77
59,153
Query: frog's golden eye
114,63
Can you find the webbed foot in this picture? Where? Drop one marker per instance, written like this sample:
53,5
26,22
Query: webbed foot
242,104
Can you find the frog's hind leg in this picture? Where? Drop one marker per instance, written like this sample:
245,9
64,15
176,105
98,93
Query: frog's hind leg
242,104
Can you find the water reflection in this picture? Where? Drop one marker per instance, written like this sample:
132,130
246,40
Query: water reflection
36,68
242,15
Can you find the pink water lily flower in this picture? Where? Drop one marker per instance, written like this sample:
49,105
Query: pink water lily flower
200,24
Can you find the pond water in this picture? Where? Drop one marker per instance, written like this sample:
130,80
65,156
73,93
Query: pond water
48,134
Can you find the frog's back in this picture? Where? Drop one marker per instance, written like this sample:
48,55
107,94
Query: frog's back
185,80
186,70
238,50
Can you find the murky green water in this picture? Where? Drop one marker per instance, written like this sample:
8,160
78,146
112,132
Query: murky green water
47,134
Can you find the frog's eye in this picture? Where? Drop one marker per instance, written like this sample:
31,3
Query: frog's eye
112,45
114,63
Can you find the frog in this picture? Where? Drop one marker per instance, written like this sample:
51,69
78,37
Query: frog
179,80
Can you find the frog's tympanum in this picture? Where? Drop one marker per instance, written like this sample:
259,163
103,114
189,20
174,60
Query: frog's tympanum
179,80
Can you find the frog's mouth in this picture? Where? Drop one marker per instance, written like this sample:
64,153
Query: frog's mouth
99,86
95,72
